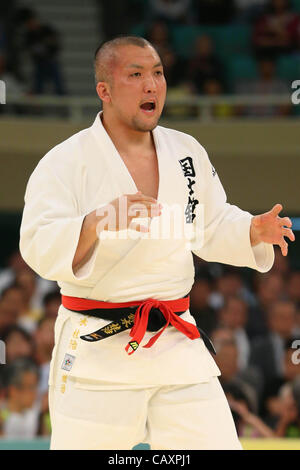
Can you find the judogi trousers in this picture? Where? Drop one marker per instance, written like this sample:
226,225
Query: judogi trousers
93,415
189,417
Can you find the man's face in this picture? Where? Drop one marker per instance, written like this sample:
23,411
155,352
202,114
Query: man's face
138,89
282,319
227,361
17,346
25,394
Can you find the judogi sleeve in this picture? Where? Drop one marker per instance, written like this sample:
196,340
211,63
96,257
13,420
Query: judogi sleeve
51,226
226,228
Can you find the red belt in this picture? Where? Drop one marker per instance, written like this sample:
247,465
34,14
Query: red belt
143,308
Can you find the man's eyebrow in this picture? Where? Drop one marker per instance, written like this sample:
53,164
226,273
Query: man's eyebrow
137,66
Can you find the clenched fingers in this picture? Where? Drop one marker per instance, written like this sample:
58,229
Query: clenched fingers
146,209
140,197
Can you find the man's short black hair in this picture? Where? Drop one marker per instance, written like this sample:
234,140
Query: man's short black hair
16,329
15,370
50,296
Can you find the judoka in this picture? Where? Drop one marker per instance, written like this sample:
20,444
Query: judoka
129,364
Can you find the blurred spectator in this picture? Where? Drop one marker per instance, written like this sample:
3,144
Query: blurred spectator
12,85
11,306
230,283
272,404
44,344
19,343
129,14
20,413
266,84
171,11
51,304
249,10
277,32
203,65
234,316
288,423
30,315
208,270
158,35
268,352
249,380
43,44
291,364
247,423
10,29
269,289
214,11
283,408
203,313
177,94
293,287
213,87
7,318
221,335
281,264
15,265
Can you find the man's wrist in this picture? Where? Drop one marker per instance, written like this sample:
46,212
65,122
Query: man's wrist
254,236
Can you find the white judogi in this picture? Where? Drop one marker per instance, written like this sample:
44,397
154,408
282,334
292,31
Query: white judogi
86,172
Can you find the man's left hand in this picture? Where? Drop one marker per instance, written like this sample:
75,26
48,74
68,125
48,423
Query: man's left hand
270,228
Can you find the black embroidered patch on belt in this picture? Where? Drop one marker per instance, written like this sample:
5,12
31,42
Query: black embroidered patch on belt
111,329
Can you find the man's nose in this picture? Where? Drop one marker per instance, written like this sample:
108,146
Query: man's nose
149,85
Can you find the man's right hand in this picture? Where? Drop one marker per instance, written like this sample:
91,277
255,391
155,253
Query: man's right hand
119,213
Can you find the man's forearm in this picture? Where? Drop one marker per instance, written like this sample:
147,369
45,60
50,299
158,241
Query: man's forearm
87,239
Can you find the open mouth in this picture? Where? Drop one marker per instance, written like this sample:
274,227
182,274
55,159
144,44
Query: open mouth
148,107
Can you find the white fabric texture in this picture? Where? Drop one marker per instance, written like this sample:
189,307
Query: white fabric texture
95,415
83,173
80,175
169,417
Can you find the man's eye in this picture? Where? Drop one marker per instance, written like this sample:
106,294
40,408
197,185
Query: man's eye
136,74
158,72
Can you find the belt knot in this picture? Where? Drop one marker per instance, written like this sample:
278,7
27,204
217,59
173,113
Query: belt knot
138,330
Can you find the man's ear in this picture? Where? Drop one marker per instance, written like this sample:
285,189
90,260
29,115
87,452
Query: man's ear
103,91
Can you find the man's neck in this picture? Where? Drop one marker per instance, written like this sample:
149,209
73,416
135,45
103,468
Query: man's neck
126,140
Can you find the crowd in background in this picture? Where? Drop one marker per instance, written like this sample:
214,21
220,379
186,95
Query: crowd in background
23,32
265,63
257,55
28,310
253,320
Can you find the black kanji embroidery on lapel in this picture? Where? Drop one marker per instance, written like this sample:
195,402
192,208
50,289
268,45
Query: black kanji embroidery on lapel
189,173
187,166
